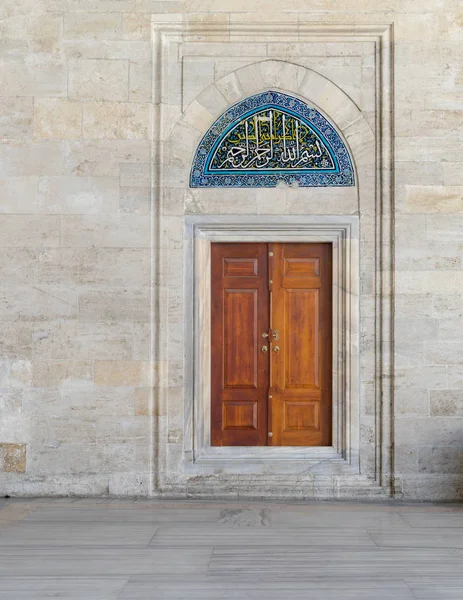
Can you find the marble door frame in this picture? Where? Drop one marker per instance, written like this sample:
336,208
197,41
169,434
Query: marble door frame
343,234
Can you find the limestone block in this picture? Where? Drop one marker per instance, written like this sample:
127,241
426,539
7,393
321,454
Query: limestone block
422,148
173,201
272,201
16,116
78,195
115,304
323,201
100,5
213,100
428,256
36,158
13,458
425,282
142,343
198,74
61,373
444,353
444,228
281,74
446,403
125,373
103,158
129,231
161,8
219,201
36,76
91,79
451,329
408,353
251,79
76,340
413,377
130,484
428,430
408,402
406,459
434,199
15,374
19,195
143,402
73,458
448,306
37,303
16,340
41,30
107,49
31,231
140,81
136,26
226,67
452,173
198,117
135,175
229,86
135,200
57,118
455,377
11,400
83,400
413,305
92,26
97,266
116,120
441,459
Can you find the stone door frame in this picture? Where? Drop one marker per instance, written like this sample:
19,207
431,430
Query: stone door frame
343,234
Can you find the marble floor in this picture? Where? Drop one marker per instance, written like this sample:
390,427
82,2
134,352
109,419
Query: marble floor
173,550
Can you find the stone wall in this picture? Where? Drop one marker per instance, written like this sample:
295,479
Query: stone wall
81,366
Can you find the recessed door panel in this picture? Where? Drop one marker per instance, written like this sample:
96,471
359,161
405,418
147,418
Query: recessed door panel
240,338
302,354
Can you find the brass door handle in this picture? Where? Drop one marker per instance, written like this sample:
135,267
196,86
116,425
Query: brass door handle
264,349
276,348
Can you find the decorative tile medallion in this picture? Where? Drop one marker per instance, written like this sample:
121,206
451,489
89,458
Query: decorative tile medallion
268,138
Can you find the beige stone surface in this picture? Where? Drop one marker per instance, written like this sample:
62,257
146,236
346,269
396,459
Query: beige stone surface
79,228
116,120
57,118
98,79
124,373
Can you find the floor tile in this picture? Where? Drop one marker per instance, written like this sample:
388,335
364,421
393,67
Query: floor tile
75,562
77,534
66,588
217,535
426,588
277,563
124,515
439,520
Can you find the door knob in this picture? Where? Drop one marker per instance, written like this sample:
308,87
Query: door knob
264,349
276,348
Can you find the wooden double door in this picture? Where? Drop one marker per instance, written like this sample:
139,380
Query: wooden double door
271,359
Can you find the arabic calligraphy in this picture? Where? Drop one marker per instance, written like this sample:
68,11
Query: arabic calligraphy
271,139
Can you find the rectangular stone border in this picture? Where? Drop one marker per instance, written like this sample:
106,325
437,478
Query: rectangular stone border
168,31
343,234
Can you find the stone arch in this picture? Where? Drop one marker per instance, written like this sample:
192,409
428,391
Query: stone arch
287,77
